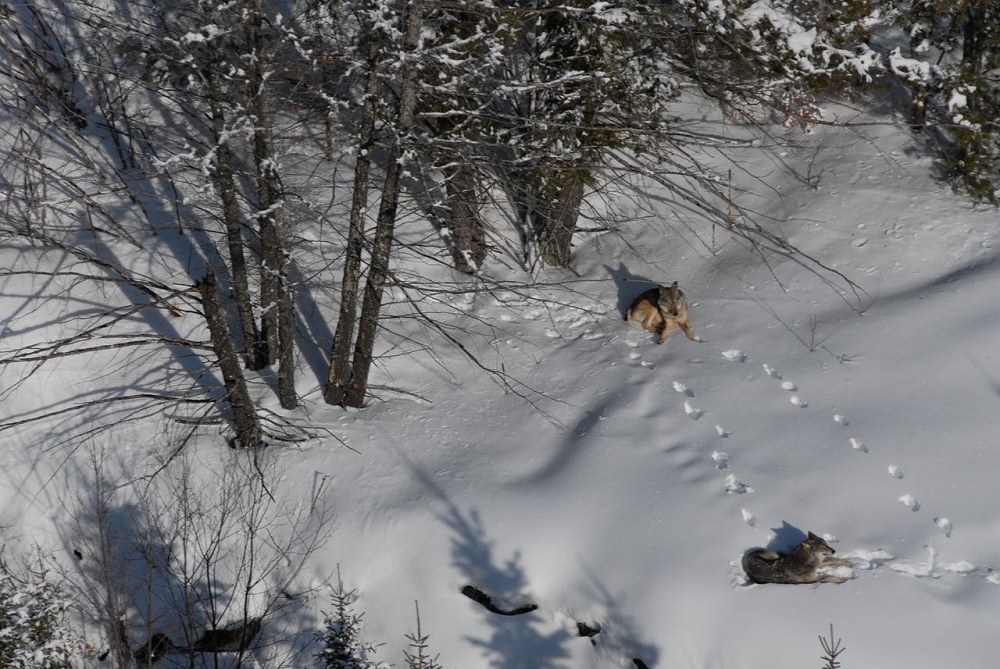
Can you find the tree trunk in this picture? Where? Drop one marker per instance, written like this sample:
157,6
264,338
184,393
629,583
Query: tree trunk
245,421
514,183
556,224
974,50
468,237
386,221
340,373
277,313
225,182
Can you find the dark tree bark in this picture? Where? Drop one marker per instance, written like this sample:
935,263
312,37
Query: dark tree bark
468,236
385,224
277,313
340,372
245,421
556,223
225,182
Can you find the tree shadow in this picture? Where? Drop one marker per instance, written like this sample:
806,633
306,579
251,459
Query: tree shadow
158,572
573,444
122,575
618,637
312,327
991,381
516,642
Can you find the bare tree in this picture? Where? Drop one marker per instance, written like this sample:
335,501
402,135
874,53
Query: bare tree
248,431
339,377
171,565
349,387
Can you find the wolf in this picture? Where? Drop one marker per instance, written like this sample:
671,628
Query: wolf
798,566
232,640
660,310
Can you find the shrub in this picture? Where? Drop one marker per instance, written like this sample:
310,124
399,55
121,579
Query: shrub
34,633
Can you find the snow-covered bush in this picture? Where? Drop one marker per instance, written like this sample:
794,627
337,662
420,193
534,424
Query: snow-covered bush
34,633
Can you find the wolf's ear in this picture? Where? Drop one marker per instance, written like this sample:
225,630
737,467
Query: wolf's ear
673,286
813,536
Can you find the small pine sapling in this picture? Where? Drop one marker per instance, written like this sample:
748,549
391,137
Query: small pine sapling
831,650
417,657
342,644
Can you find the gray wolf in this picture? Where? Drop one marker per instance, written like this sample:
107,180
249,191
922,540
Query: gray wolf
660,310
232,640
800,565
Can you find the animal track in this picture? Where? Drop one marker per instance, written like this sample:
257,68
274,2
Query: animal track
721,460
734,485
734,355
945,525
731,483
863,559
932,568
692,411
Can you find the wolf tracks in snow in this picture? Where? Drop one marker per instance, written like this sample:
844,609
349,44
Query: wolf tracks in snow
723,463
734,486
731,483
934,567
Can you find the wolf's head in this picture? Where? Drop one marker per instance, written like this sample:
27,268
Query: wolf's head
818,545
672,302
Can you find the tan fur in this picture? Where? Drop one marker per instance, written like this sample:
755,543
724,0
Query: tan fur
660,310
798,566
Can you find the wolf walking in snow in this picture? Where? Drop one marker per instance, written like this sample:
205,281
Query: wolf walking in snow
232,640
660,310
801,565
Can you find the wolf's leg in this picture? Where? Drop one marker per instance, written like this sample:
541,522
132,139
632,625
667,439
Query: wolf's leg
647,322
668,325
837,562
687,330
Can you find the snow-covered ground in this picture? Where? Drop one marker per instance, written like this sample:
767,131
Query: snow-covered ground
626,493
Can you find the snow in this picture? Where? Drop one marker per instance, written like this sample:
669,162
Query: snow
625,493
958,100
802,41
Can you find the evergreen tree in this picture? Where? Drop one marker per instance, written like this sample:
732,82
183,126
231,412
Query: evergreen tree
34,633
950,70
343,647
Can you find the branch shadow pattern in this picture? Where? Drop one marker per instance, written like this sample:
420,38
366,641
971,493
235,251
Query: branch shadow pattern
166,573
